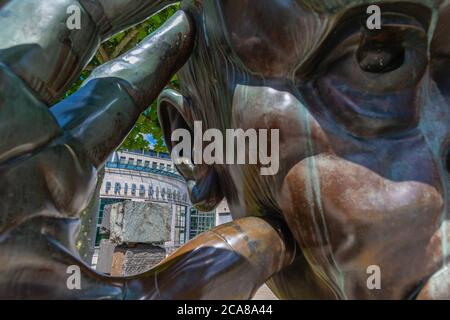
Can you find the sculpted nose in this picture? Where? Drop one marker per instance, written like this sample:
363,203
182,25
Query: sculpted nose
343,214
343,191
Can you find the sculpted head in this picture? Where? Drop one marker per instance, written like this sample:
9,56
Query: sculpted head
363,118
309,68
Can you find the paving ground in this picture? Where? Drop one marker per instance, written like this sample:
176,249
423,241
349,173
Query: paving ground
264,294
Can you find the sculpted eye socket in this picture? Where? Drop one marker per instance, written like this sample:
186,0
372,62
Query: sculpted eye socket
388,60
380,53
368,82
377,61
380,60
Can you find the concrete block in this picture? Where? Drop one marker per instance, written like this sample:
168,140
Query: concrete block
140,222
105,256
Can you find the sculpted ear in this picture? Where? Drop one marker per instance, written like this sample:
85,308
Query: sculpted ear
176,120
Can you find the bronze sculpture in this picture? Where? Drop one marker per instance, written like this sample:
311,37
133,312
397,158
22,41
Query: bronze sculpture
363,177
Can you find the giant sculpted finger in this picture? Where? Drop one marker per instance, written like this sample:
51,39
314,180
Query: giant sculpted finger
48,160
118,91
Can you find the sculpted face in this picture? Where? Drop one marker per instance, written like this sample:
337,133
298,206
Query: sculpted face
364,129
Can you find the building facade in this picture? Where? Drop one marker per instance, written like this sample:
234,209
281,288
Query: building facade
151,177
223,214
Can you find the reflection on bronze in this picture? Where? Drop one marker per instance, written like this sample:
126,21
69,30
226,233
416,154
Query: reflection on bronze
364,132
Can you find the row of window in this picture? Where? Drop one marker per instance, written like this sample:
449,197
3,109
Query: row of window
153,154
153,193
145,163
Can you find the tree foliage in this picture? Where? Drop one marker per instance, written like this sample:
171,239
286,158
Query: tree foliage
147,124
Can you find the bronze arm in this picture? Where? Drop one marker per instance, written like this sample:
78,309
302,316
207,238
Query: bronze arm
229,262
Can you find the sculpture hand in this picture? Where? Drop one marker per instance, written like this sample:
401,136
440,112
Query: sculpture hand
48,158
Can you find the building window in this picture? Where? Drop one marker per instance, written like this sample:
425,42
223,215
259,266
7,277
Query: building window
133,189
117,188
108,187
150,191
169,167
169,194
180,225
157,193
161,166
201,222
123,160
163,193
131,161
154,165
126,188
147,164
139,163
142,190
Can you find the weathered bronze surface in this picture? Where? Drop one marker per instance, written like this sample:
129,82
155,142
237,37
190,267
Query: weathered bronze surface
364,130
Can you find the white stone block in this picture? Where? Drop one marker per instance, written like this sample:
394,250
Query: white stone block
140,222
